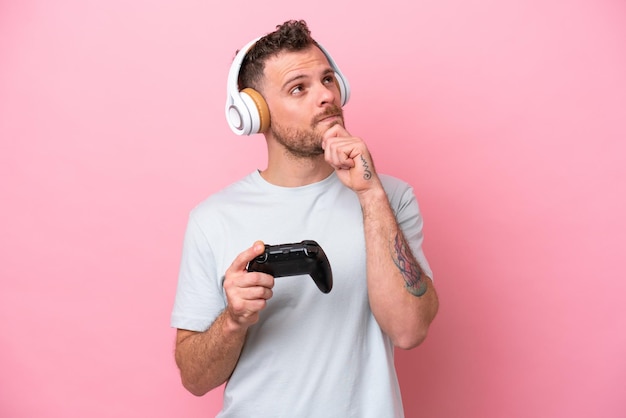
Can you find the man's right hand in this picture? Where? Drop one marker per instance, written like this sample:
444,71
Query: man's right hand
247,293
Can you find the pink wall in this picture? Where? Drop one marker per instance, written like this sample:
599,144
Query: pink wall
508,117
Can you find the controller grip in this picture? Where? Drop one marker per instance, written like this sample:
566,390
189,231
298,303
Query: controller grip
306,257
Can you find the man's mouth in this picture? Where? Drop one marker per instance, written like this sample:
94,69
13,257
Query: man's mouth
331,118
331,115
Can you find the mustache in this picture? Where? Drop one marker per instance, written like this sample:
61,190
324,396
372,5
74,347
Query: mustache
332,110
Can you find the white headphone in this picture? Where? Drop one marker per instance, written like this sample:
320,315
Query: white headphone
246,110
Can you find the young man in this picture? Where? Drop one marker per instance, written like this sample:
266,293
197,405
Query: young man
284,348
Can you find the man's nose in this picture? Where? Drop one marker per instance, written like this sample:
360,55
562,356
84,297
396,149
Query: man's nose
327,93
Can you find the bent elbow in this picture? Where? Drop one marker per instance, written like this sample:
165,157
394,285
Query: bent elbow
195,389
417,332
409,341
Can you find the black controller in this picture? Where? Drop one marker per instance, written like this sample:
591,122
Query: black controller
306,257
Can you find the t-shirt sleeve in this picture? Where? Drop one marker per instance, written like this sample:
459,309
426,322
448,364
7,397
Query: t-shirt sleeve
199,294
405,205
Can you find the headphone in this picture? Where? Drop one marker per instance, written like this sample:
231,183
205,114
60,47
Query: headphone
246,110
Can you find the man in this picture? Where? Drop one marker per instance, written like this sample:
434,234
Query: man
284,348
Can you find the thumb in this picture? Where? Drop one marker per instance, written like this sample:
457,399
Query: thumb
248,255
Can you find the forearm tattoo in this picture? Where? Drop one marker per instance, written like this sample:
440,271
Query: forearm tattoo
367,174
410,269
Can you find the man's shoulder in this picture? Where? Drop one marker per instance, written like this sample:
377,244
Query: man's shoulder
227,195
393,184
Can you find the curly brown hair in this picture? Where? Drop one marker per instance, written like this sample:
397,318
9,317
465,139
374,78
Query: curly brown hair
293,35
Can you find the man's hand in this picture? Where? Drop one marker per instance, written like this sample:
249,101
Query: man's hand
247,293
207,359
351,159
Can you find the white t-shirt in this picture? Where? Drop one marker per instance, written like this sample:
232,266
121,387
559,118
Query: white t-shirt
311,354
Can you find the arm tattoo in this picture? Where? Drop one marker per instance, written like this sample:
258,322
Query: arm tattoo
408,266
368,174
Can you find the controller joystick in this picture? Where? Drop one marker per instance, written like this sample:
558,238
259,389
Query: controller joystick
306,257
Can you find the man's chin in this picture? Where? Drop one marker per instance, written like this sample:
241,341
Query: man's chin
338,120
324,126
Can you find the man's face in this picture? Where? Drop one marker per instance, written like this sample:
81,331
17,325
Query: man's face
303,98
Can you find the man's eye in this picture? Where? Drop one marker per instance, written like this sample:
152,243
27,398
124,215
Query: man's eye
329,80
296,90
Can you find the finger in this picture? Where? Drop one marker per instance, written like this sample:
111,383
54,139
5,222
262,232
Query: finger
257,279
242,260
332,132
340,153
258,292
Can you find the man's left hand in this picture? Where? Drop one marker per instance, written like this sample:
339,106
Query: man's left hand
351,159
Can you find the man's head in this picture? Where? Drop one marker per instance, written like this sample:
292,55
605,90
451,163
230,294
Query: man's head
247,109
291,36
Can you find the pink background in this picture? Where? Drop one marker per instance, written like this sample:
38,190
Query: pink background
509,117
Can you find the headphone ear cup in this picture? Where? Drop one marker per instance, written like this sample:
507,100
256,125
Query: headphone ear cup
259,111
246,111
344,88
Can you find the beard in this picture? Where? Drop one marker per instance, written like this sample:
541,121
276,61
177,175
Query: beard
306,143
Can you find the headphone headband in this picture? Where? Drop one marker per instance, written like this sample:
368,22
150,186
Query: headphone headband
246,110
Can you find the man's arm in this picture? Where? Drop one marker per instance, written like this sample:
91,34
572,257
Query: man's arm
207,359
402,297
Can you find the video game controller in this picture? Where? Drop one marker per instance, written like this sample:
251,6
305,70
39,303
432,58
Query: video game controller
306,257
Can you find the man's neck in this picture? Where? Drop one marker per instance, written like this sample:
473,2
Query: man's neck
296,172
